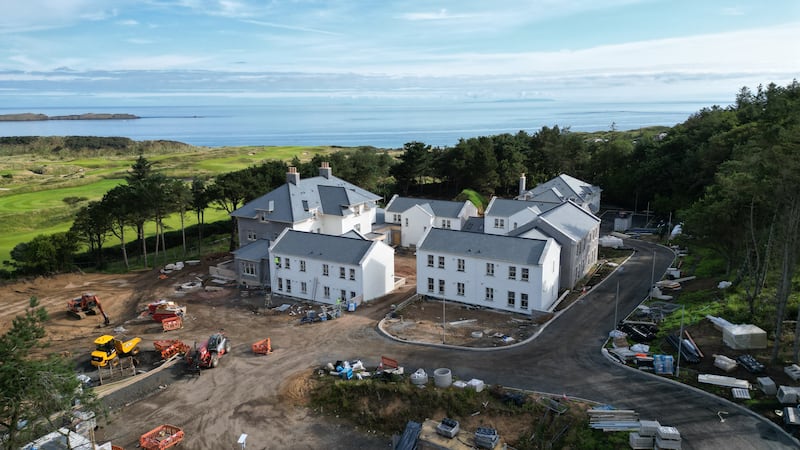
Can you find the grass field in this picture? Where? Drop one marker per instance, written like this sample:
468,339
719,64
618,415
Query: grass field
41,194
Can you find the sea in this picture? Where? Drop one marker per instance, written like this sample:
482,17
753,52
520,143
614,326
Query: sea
349,123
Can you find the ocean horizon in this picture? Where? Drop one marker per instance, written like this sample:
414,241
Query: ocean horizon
350,122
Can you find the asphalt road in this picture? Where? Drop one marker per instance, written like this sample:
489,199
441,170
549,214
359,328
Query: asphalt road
566,358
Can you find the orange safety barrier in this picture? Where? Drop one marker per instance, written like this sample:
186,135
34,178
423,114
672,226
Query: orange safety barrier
388,363
262,347
164,436
170,347
172,323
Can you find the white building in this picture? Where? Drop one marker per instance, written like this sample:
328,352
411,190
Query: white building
410,217
576,230
503,216
324,268
499,272
323,204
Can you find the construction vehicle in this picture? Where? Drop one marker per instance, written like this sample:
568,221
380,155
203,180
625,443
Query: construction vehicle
85,306
161,437
109,349
207,356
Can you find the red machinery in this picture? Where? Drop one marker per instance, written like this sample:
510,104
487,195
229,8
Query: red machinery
262,347
170,347
164,436
165,309
85,306
207,356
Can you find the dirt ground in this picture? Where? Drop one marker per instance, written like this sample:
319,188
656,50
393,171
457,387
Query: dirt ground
263,396
247,391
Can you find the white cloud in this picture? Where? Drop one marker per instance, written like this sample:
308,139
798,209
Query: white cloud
158,62
442,14
288,27
34,15
733,11
128,22
140,41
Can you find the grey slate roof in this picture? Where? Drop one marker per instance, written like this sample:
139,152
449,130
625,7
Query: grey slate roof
580,189
484,246
439,208
503,207
473,225
322,247
572,220
253,251
292,203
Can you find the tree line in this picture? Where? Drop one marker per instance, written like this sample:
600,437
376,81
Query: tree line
729,173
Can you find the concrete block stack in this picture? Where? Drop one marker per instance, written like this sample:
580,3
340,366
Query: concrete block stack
645,438
668,438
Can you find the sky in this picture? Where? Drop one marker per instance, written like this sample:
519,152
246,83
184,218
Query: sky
247,50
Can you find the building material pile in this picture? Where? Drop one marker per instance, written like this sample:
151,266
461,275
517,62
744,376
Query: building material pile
720,380
609,419
645,437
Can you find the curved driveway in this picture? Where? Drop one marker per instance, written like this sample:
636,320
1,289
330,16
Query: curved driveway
566,358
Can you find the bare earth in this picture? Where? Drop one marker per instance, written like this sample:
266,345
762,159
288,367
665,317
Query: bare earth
263,396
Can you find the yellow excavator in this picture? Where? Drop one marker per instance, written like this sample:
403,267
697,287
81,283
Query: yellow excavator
109,349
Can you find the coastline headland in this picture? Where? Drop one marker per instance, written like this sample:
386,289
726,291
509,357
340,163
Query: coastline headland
29,117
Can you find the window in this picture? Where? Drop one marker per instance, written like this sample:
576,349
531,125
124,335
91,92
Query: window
341,272
251,235
490,269
489,294
280,284
441,262
512,272
304,287
499,223
286,263
515,225
248,268
460,265
524,274
357,227
396,218
343,295
430,284
302,265
460,289
326,292
441,287
277,262
352,294
352,274
430,260
512,298
446,224
406,221
325,270
523,301
288,286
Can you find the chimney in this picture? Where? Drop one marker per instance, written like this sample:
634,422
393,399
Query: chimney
522,185
325,170
293,176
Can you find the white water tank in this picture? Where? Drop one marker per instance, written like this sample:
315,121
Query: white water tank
442,377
